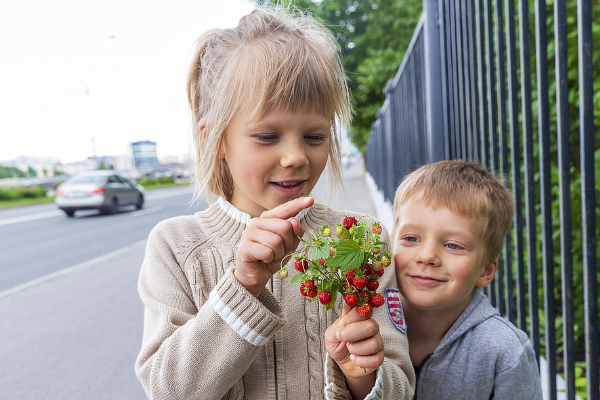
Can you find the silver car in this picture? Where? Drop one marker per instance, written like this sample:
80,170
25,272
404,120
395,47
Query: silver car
98,190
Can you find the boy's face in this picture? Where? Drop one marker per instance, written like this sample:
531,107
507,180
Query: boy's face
275,159
439,258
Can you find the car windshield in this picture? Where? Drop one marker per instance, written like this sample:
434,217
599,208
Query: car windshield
88,179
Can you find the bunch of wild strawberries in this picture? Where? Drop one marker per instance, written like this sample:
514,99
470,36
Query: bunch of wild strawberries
349,263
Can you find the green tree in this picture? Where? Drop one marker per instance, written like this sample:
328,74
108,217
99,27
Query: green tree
373,35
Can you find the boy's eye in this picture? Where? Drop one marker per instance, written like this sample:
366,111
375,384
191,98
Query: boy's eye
453,246
411,239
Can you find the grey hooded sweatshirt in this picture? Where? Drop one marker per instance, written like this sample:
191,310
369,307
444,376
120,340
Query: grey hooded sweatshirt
482,356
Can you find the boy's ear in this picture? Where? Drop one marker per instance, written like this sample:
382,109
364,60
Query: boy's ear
489,271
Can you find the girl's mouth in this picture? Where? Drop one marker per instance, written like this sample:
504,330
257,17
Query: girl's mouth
289,187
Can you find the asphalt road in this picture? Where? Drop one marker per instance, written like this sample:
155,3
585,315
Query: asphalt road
70,316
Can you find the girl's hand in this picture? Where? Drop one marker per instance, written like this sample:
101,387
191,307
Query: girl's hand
266,241
355,344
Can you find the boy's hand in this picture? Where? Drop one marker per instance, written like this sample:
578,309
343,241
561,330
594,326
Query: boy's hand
355,344
266,241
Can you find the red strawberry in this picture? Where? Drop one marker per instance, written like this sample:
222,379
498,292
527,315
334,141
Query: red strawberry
349,222
372,285
303,290
368,269
366,310
351,299
309,283
301,265
365,295
312,292
322,261
380,272
377,229
377,300
325,297
360,282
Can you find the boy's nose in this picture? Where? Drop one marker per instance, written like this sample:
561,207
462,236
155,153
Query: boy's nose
294,156
428,255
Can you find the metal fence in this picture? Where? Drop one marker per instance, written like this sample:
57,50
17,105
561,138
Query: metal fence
480,82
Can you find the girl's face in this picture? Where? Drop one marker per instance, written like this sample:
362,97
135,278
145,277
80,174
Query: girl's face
275,159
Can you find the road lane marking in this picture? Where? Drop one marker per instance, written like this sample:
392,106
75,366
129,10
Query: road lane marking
33,217
68,270
146,211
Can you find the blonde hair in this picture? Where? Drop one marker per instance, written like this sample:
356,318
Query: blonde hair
275,59
465,188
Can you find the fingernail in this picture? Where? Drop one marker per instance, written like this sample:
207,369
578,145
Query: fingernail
352,356
307,200
337,335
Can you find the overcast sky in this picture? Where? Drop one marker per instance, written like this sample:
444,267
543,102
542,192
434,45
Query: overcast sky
79,75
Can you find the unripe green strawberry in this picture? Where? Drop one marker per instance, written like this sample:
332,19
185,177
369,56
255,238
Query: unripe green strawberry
366,310
351,299
325,297
385,261
375,250
327,232
339,230
377,265
283,273
376,300
332,251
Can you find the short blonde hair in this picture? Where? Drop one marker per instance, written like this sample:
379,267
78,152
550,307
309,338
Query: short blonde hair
465,188
275,59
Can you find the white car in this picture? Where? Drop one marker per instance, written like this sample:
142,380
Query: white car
105,191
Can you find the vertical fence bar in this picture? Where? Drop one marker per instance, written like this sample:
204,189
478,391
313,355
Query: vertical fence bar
508,294
482,81
444,77
588,202
491,84
473,109
528,162
436,135
466,73
515,153
458,64
541,44
562,113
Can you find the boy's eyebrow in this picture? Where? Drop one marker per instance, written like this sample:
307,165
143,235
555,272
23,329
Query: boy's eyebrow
448,231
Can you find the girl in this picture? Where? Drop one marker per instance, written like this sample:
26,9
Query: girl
266,99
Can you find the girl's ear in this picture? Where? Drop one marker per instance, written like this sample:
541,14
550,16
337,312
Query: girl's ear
489,271
202,128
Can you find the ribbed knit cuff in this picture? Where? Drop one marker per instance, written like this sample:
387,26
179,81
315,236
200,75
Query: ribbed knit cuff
254,319
335,381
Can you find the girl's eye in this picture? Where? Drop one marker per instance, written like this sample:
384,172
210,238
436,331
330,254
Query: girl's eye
314,139
267,137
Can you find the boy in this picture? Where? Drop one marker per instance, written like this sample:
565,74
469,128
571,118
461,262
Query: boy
450,218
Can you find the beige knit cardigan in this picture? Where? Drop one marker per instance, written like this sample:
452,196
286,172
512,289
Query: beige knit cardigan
206,337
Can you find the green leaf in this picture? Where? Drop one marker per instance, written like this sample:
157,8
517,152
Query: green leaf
296,277
321,251
349,256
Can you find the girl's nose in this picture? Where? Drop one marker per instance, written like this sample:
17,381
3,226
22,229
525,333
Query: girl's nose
294,156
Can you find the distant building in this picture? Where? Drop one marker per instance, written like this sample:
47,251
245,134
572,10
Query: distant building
145,158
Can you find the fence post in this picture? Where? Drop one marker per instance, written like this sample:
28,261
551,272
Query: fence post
436,137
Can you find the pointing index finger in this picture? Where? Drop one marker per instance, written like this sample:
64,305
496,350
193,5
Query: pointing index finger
289,209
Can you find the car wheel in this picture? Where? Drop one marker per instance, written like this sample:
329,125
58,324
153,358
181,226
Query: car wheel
112,208
140,203
69,213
